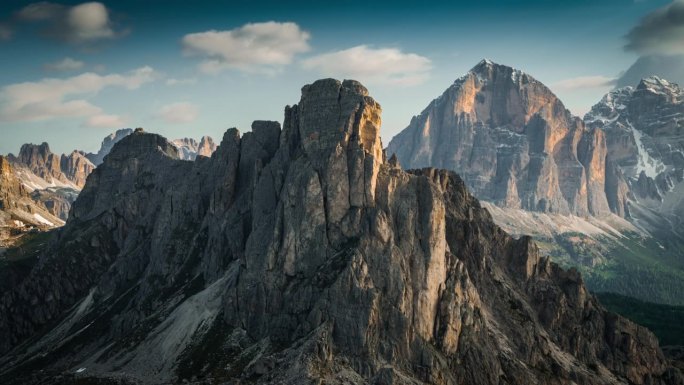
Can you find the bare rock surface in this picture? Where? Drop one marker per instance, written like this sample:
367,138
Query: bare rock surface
300,255
512,140
18,212
644,127
190,149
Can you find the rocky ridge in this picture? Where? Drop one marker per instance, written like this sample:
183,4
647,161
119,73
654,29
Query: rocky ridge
302,255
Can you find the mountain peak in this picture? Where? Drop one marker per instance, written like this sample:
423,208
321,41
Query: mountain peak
141,144
325,109
489,114
486,64
658,85
487,70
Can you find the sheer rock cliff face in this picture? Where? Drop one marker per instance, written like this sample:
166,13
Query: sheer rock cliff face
302,256
513,142
68,170
76,167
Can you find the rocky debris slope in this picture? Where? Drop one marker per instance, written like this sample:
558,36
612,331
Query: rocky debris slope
189,149
512,141
302,256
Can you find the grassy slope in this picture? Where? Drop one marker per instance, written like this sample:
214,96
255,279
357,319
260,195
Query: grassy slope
633,266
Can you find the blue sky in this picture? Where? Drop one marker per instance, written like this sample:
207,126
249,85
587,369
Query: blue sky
74,72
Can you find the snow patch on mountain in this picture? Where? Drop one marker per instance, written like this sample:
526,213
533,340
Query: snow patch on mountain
646,163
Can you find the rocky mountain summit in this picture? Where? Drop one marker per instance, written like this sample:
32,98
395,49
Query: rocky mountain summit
514,143
17,210
644,128
301,255
58,171
107,144
53,180
189,148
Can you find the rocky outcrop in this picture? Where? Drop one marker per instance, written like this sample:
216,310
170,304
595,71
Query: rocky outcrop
301,256
65,171
513,142
107,145
76,167
206,146
9,185
189,149
41,162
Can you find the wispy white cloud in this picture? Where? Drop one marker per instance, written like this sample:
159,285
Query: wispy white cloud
53,98
257,47
105,121
181,112
585,82
40,11
180,82
388,66
83,23
64,65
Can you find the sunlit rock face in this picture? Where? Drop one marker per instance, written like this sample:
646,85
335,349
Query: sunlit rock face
301,256
18,211
512,141
190,149
69,171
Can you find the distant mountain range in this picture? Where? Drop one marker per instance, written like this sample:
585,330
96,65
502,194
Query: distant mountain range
602,193
49,183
